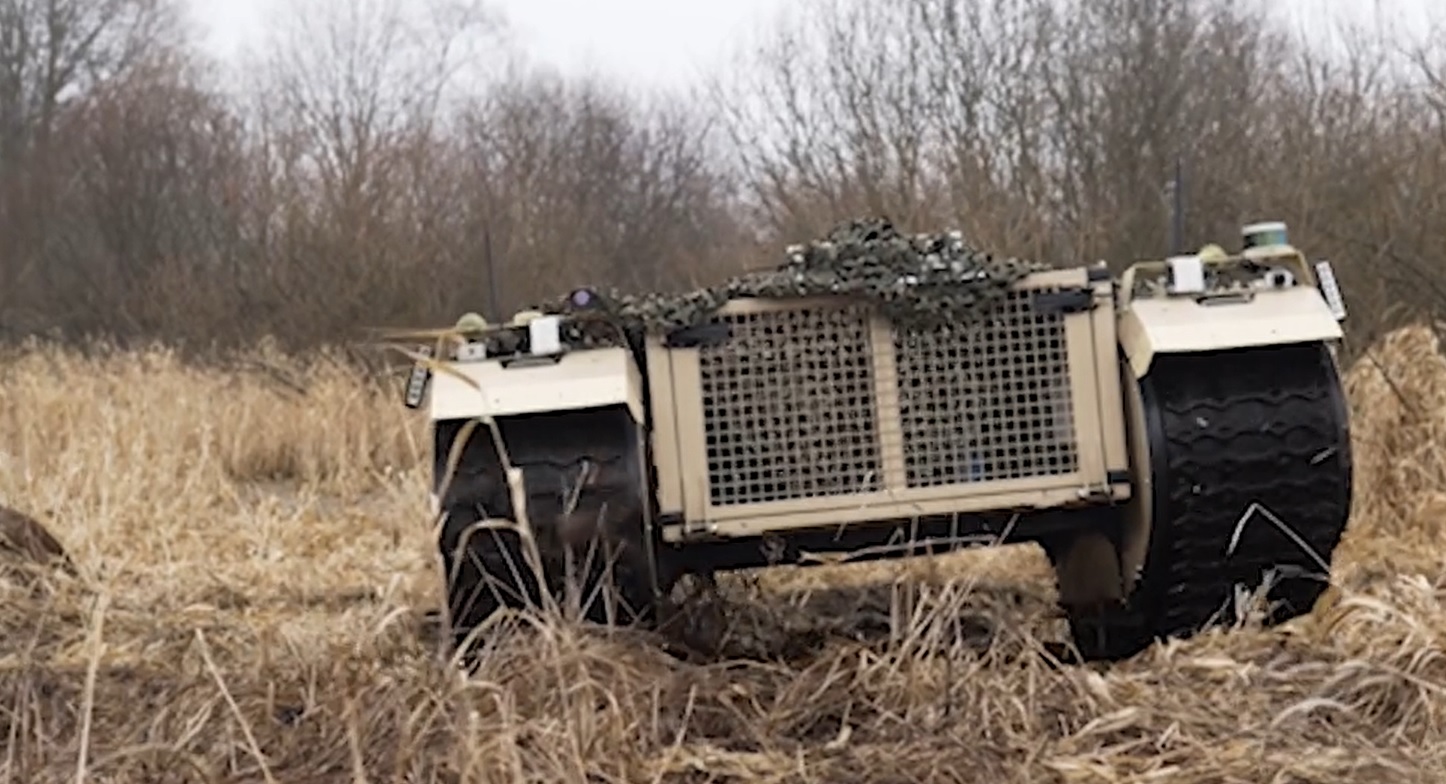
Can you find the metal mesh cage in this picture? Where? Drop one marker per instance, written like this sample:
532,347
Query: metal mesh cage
987,402
791,402
789,407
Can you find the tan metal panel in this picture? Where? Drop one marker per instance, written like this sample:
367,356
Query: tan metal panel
667,457
1110,404
582,379
1084,383
886,404
881,507
692,434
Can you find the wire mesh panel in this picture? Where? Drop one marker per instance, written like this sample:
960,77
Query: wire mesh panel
987,402
788,407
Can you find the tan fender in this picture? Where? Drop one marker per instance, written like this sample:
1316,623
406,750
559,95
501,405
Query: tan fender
577,380
1173,325
1138,515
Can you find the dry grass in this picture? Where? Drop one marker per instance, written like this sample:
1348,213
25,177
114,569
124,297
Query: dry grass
256,571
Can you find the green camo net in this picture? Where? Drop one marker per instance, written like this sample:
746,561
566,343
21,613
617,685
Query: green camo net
916,280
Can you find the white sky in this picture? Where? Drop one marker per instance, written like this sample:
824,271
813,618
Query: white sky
646,42
670,42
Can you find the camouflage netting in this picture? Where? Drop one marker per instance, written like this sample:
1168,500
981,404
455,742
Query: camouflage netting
916,280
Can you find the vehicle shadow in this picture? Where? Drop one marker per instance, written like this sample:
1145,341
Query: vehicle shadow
743,620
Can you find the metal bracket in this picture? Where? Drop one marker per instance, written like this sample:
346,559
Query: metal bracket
1075,300
688,531
1330,289
417,382
700,335
529,360
699,531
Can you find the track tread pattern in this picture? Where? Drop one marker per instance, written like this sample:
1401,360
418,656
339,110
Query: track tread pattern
492,573
1235,429
604,566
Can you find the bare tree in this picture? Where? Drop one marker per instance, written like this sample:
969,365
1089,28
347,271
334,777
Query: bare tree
148,229
53,52
577,184
351,99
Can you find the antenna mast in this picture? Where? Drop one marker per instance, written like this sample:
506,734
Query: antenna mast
493,301
1177,209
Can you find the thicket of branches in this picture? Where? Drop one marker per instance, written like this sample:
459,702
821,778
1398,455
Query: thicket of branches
383,163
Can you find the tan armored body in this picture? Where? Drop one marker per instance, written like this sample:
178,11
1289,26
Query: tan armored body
910,393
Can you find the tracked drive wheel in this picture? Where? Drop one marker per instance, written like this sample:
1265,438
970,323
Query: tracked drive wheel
1246,467
594,561
487,568
484,569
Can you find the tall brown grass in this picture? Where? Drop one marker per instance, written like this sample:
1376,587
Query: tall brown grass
256,570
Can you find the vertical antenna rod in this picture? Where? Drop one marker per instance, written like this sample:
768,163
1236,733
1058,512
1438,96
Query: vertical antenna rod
1177,216
494,315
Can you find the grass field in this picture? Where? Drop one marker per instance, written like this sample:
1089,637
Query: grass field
256,571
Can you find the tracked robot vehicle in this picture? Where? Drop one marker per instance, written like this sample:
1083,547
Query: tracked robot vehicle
1168,437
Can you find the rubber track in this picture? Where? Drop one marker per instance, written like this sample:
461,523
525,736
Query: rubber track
494,572
1230,430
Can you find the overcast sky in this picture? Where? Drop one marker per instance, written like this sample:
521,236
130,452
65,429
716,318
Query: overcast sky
669,42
